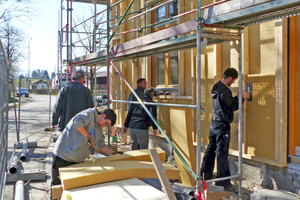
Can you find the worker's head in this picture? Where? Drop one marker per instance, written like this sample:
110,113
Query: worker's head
229,76
106,117
141,82
149,91
78,76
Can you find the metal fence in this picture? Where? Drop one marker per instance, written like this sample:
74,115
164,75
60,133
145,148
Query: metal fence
3,118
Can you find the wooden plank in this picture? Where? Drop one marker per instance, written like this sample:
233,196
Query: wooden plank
157,36
181,129
57,191
278,87
217,195
246,68
246,13
129,189
284,136
74,177
162,175
292,85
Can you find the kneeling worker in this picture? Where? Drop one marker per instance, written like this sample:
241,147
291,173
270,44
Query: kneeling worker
82,133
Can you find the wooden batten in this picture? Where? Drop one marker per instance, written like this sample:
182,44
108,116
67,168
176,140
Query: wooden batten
181,130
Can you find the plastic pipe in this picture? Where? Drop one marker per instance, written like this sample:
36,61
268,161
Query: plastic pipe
24,150
13,165
155,122
20,192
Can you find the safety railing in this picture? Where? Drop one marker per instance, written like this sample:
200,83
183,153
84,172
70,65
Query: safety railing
3,118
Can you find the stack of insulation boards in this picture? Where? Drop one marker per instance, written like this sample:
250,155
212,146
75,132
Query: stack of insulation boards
131,164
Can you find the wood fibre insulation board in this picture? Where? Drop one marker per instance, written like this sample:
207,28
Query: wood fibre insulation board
139,155
128,189
181,131
74,177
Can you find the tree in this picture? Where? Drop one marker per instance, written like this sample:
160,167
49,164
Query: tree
18,9
12,39
34,74
90,35
45,75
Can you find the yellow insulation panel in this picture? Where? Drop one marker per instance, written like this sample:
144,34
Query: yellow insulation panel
74,177
140,155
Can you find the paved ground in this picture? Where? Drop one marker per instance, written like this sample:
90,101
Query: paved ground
34,119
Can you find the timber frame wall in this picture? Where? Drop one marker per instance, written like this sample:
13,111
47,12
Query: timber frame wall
265,59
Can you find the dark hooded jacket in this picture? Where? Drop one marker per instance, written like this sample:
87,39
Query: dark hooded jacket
140,92
137,117
224,104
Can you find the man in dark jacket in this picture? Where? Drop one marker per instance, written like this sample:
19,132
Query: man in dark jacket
138,121
141,85
224,104
72,99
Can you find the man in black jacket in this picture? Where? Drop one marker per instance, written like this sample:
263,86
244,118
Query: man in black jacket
72,99
138,121
224,104
141,85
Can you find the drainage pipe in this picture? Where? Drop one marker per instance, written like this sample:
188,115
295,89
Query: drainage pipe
13,165
19,193
24,150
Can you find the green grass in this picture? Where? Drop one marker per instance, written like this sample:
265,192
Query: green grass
11,99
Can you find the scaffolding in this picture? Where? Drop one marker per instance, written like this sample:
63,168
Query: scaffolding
216,26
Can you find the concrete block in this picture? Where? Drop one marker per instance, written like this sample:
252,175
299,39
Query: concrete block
26,175
263,194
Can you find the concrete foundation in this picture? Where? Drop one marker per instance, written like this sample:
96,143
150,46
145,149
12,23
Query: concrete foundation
255,175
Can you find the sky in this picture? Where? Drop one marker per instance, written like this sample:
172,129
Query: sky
43,31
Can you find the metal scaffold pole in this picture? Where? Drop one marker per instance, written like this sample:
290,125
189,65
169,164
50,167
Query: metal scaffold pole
107,64
199,19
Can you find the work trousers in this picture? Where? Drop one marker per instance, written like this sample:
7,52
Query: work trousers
139,138
57,163
219,139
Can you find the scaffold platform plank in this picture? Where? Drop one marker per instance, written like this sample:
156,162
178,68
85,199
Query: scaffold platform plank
249,12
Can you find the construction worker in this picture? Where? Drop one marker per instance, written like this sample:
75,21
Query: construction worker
141,85
224,104
82,134
138,121
71,99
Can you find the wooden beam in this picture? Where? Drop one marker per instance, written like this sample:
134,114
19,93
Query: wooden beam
284,117
246,68
162,175
157,36
292,85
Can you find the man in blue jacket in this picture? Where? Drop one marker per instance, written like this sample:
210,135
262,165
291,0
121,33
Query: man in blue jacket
71,99
138,121
224,104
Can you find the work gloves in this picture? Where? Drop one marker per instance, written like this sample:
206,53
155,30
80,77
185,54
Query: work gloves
91,142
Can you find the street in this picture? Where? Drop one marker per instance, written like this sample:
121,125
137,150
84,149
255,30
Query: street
34,118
